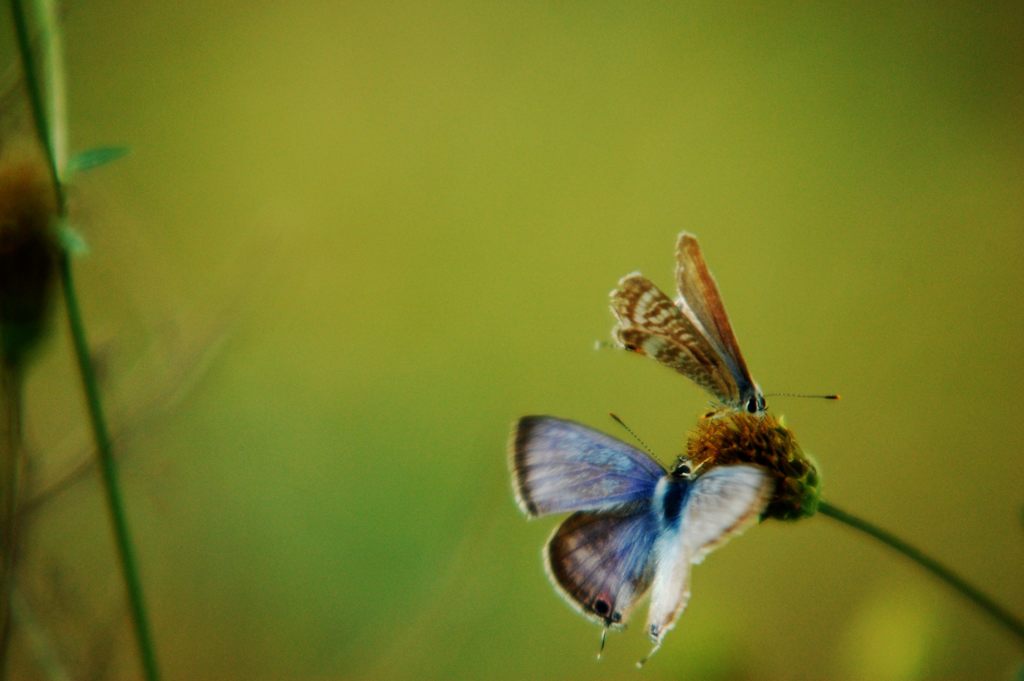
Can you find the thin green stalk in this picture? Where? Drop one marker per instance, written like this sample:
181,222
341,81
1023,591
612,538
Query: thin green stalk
101,435
1006,619
35,97
108,467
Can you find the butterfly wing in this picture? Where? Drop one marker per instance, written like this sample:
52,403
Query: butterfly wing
723,502
671,586
699,299
601,562
559,465
720,504
649,323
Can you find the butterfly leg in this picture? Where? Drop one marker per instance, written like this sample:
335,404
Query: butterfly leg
640,663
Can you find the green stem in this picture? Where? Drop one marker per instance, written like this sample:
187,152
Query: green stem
954,581
35,98
101,435
108,468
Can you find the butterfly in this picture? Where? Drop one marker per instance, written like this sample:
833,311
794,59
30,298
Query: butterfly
691,334
635,526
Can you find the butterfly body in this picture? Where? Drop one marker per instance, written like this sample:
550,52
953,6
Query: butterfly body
669,497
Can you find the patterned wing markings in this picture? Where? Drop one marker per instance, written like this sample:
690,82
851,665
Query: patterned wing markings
699,299
649,323
560,465
602,563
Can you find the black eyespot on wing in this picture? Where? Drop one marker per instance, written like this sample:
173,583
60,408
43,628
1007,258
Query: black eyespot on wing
601,607
752,405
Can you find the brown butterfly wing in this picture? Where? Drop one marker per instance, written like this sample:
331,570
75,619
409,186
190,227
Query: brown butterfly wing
699,295
650,323
602,563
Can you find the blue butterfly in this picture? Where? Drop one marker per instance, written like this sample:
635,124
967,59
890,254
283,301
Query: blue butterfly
635,527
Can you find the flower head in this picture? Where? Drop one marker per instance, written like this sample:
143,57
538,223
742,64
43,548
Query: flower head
730,437
29,255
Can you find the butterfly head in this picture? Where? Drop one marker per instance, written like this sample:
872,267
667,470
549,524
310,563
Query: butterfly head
754,402
681,469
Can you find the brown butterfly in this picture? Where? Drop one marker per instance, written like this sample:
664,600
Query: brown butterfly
691,334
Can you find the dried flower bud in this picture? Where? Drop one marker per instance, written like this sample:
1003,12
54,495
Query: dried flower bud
29,253
728,437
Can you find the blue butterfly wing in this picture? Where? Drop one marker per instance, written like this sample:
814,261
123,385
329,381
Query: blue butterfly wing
602,562
559,465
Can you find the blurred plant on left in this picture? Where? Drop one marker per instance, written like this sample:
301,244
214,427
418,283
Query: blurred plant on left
29,255
29,261
35,247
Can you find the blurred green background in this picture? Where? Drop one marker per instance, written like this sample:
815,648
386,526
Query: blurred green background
355,241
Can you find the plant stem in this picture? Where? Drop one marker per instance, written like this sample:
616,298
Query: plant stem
108,468
101,435
954,581
35,98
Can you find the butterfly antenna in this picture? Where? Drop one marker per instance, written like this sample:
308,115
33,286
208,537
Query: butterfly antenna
604,637
817,397
630,431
